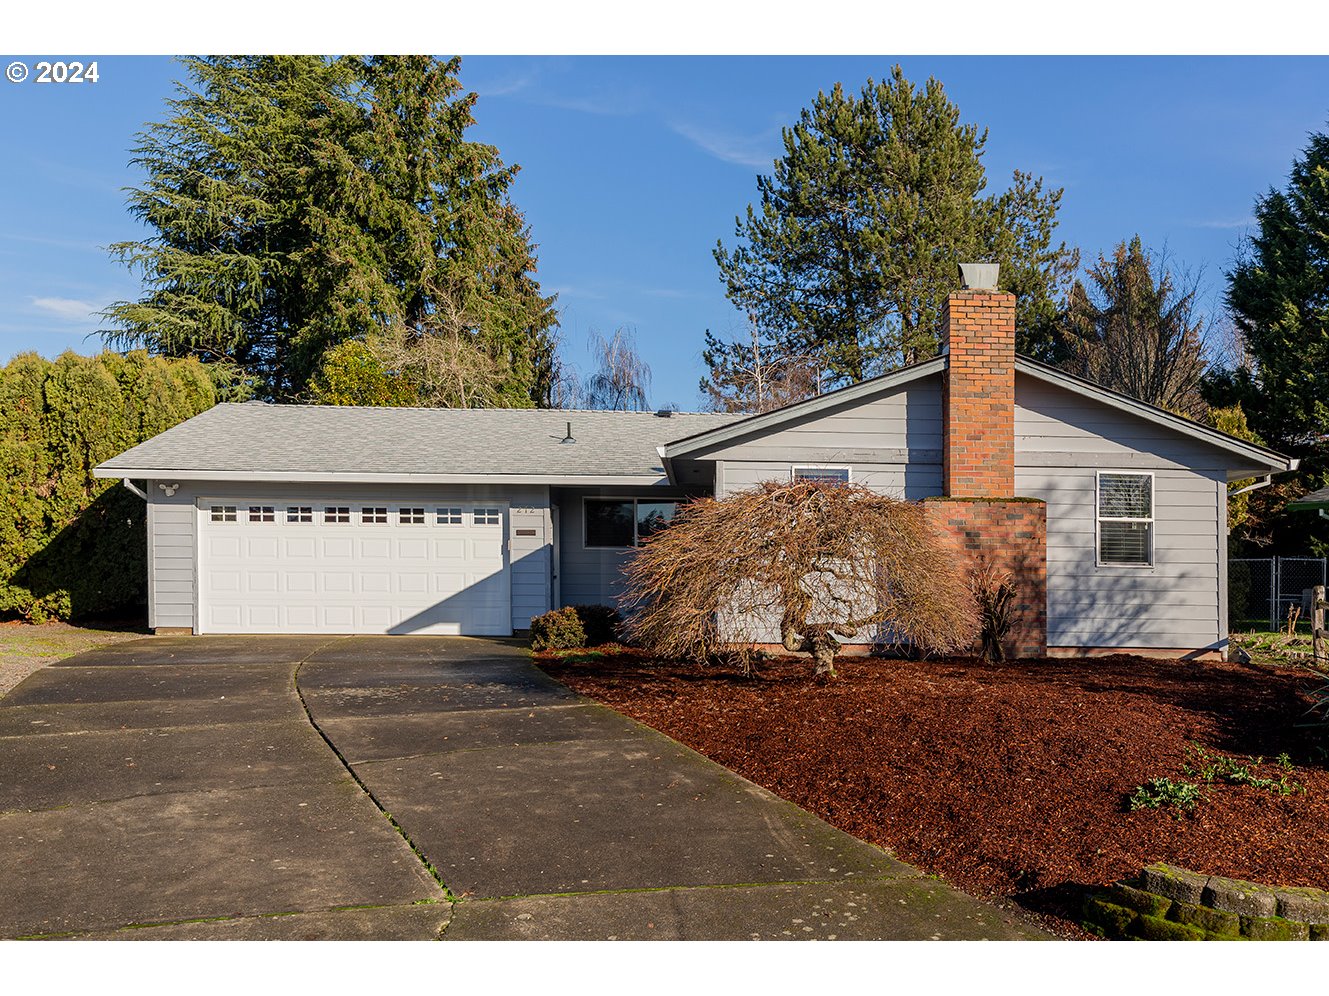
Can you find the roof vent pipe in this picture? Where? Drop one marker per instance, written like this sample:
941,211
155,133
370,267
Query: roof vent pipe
568,438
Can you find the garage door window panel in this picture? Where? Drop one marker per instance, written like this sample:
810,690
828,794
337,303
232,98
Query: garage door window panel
223,513
262,513
375,516
298,514
337,515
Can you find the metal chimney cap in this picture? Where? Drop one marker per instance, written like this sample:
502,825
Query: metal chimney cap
979,276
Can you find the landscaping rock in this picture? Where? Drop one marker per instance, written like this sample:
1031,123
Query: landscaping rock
1107,918
1152,928
1243,898
1259,928
1216,922
1174,883
1306,905
1140,901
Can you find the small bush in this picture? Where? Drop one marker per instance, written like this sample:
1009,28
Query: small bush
560,629
600,622
575,626
1160,792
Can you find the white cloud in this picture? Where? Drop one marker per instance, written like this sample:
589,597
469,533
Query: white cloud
756,151
67,308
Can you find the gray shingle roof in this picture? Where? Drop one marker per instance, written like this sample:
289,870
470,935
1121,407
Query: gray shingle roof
1316,499
321,440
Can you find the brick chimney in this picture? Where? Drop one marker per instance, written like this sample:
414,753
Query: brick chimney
978,513
978,394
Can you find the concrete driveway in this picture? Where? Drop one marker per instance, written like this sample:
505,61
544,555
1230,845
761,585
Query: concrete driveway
404,787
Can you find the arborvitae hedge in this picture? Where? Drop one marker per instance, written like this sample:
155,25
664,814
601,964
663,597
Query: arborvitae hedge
71,545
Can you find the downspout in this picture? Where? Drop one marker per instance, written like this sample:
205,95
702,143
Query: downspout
134,488
1264,483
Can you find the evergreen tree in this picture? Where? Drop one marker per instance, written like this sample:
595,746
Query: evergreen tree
1135,329
1278,292
853,247
1278,295
300,202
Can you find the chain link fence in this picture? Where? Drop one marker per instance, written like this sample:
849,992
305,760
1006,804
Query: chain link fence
1262,591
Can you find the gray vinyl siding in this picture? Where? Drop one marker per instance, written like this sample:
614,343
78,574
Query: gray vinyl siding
892,443
173,543
591,575
172,571
1061,442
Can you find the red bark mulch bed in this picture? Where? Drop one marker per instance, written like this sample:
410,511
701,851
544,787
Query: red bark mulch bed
1009,780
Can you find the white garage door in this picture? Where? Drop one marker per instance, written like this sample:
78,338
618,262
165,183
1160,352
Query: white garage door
333,566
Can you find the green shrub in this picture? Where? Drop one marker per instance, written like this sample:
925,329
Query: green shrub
600,622
575,626
560,629
72,545
1159,792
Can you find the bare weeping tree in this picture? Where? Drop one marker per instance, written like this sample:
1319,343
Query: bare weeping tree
756,372
813,562
622,379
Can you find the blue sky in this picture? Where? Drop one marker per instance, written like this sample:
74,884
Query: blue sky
632,167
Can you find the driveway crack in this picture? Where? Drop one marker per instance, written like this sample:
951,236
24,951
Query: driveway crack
350,770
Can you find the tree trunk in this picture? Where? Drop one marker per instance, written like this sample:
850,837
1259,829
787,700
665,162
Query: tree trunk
823,654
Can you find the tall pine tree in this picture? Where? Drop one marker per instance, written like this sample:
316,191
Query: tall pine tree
853,247
1278,294
299,202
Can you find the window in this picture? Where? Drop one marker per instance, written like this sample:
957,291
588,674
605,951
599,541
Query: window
223,513
336,513
299,513
262,513
488,517
1126,519
625,522
411,516
822,475
370,516
448,516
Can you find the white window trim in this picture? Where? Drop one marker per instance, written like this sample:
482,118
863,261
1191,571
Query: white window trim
796,467
1099,519
636,540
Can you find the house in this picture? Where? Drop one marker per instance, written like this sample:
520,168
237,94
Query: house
1110,513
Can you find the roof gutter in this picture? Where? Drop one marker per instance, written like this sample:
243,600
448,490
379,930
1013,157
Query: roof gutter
1264,482
134,488
349,477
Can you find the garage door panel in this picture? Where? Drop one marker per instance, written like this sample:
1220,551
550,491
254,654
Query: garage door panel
413,549
301,582
413,583
223,546
297,573
376,583
301,618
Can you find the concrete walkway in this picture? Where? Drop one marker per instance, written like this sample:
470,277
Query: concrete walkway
175,780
